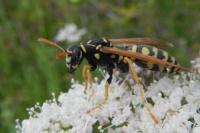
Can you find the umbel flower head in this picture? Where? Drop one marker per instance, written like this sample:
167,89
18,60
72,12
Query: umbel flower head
175,101
196,64
70,33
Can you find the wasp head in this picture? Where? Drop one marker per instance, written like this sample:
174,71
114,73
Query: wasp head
74,59
74,55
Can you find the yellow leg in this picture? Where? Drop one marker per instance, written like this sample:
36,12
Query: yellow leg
87,77
137,81
106,93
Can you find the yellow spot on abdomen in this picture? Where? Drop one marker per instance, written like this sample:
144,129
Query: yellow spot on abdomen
155,51
165,54
145,51
97,56
134,48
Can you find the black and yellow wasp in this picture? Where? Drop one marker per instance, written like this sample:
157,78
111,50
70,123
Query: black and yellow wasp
104,53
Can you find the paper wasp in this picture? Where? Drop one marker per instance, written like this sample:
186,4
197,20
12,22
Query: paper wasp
104,53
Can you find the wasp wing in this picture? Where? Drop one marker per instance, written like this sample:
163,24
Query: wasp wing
140,41
142,57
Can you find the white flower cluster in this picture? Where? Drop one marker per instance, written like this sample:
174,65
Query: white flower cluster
70,33
176,102
196,64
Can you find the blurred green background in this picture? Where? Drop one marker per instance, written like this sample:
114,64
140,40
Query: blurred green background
29,71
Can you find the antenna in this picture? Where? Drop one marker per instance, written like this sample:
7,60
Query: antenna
47,41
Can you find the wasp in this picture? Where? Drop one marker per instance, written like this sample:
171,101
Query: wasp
120,54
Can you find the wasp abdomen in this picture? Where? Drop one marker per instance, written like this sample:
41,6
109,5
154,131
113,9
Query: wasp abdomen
157,53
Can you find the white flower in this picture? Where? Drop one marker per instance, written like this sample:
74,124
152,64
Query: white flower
70,33
196,64
176,104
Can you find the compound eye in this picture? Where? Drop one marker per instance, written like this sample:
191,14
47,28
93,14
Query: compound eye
68,61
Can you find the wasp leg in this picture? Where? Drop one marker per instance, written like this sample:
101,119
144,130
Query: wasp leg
106,91
87,78
137,81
